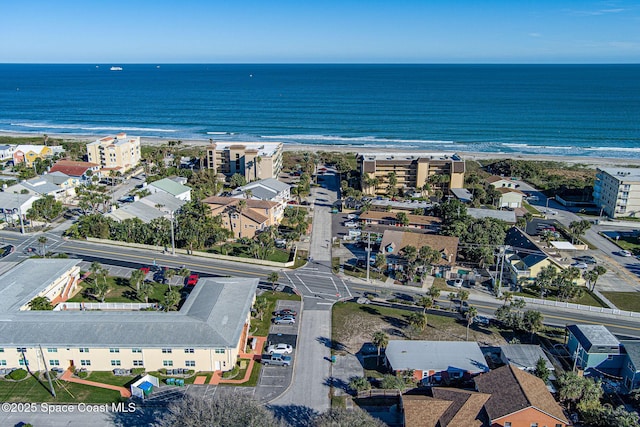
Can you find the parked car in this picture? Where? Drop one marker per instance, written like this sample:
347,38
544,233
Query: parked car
588,259
481,320
580,265
351,224
284,320
276,359
280,348
145,270
353,216
625,253
193,280
458,283
285,312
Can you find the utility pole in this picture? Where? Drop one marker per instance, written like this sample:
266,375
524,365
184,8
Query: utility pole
368,252
173,240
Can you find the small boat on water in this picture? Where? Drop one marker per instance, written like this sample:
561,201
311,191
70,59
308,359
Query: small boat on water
116,68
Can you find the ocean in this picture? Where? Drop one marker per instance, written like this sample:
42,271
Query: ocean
568,110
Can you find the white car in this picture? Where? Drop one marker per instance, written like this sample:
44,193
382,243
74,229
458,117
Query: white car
625,253
280,348
351,224
458,283
353,216
580,265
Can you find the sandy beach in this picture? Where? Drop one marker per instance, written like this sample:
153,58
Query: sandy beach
589,161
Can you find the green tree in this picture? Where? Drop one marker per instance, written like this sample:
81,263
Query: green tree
462,296
533,321
40,303
43,242
402,218
144,290
417,322
359,384
46,208
169,273
237,180
273,279
578,228
583,392
541,370
171,299
260,306
380,340
100,285
391,382
470,315
434,293
137,276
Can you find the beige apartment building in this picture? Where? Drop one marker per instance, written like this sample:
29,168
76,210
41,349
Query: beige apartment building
206,334
440,170
253,160
617,191
118,152
255,216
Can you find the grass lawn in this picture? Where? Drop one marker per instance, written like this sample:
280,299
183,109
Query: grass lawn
629,243
242,251
119,291
354,324
261,327
362,273
531,209
32,390
107,377
629,301
586,299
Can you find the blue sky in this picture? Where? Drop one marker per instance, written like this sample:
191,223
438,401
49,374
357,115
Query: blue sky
344,31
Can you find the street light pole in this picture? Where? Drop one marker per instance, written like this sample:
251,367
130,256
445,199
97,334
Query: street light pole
546,210
173,241
368,252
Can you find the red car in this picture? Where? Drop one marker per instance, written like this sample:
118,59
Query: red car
145,270
193,279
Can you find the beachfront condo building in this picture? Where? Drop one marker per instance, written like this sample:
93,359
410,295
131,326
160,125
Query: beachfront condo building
119,153
410,172
253,160
617,191
207,333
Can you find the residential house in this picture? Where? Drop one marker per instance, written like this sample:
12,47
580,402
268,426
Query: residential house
172,187
445,407
394,241
462,194
427,223
595,350
81,171
510,198
500,182
524,356
616,191
411,171
410,206
158,205
29,153
478,213
245,221
115,153
268,189
6,152
519,399
14,206
56,184
630,371
207,333
252,160
435,362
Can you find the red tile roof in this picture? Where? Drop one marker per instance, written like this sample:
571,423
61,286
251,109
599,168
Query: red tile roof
71,168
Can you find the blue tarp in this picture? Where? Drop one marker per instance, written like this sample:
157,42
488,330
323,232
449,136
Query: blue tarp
146,387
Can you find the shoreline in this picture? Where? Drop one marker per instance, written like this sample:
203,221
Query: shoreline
467,155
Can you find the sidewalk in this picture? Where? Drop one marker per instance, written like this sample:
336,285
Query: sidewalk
67,376
253,356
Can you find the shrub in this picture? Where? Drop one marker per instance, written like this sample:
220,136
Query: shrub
81,374
137,371
18,374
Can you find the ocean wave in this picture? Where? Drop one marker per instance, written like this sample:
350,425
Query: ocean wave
81,127
623,149
220,133
362,139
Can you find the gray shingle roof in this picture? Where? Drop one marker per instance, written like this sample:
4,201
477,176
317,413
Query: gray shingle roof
170,186
524,356
212,316
436,355
593,336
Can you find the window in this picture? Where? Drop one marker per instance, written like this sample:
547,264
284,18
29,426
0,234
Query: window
219,351
166,350
85,362
21,349
558,425
52,350
22,362
534,424
1,350
136,350
610,357
54,362
188,350
507,424
84,350
114,350
190,363
3,363
115,363
138,363
167,363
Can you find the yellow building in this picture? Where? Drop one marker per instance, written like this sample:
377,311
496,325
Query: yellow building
117,152
245,222
253,160
29,153
411,171
206,334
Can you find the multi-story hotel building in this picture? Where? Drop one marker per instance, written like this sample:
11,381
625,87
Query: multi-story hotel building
205,334
115,152
411,171
253,160
617,191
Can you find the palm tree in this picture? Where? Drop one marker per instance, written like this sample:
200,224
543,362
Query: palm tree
417,321
101,288
43,241
184,272
260,306
434,293
506,297
425,302
471,314
462,296
380,340
171,299
273,279
137,276
240,207
145,290
168,275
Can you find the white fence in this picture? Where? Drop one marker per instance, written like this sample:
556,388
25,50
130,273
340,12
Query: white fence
120,306
580,307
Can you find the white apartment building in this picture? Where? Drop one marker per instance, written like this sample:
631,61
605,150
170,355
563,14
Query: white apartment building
617,191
